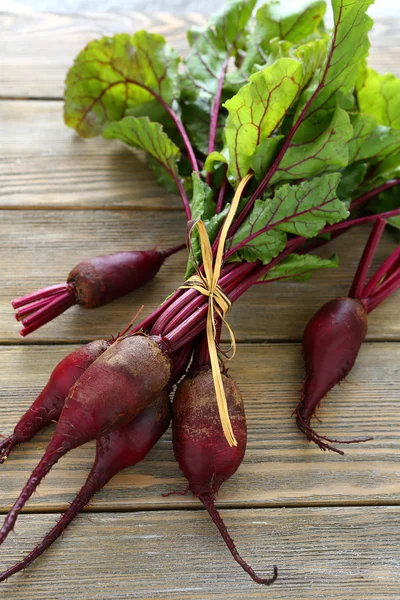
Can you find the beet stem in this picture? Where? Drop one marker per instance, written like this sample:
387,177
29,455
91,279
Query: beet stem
209,504
372,193
375,300
52,455
222,192
174,250
360,277
385,267
39,294
56,310
92,485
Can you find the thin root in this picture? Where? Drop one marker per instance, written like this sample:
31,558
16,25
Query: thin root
315,437
5,448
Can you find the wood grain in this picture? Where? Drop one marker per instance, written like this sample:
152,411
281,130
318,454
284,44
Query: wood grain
280,469
45,164
30,68
39,248
335,553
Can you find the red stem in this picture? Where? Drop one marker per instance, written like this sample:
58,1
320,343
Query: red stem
215,111
174,250
366,259
222,192
38,295
381,272
383,292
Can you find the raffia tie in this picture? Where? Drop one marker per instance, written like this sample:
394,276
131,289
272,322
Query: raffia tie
218,302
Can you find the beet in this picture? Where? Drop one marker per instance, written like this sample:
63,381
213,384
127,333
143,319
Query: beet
201,449
333,336
91,283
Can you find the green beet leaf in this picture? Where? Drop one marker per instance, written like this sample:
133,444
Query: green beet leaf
379,96
203,207
142,133
302,209
258,108
300,267
114,75
347,49
211,46
371,141
274,24
308,155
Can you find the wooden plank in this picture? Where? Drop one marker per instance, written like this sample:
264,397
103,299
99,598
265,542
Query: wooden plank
335,553
30,68
39,248
51,167
280,469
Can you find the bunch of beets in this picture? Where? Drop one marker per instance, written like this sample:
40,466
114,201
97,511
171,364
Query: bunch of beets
278,138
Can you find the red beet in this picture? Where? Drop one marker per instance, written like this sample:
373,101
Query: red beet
119,450
110,393
48,405
333,337
91,283
201,449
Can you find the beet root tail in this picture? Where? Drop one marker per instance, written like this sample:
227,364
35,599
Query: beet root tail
50,458
320,440
209,504
92,485
6,446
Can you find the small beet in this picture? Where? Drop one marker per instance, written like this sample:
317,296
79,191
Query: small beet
201,449
115,452
92,283
48,405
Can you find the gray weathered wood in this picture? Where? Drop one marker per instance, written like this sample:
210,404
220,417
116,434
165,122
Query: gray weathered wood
335,553
46,165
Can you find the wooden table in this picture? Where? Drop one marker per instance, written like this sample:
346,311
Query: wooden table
331,524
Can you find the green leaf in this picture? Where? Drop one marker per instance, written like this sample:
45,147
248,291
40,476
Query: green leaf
142,133
214,157
258,108
212,45
371,141
274,23
302,209
112,76
348,47
350,182
379,96
162,176
264,155
196,119
203,207
308,155
300,267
